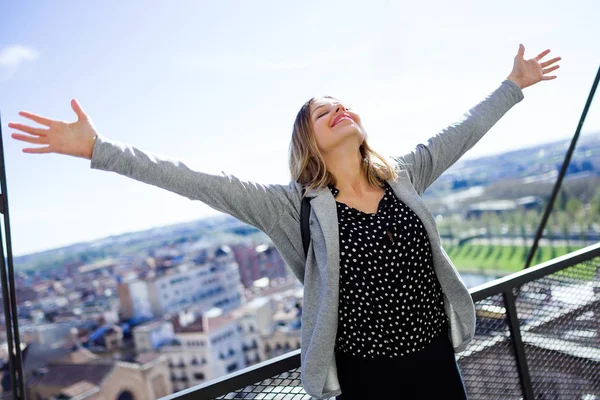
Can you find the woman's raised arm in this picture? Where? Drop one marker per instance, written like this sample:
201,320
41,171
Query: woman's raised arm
428,161
256,204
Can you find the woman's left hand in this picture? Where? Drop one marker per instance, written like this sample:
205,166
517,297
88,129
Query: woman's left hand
529,72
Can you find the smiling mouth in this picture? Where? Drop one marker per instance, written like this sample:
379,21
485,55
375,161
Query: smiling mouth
341,119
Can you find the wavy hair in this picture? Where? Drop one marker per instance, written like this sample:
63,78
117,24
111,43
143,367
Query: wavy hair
307,165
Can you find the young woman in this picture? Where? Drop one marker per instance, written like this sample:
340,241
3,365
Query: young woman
384,309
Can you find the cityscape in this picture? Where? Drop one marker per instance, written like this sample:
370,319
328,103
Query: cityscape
170,318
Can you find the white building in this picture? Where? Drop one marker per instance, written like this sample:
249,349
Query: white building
46,334
214,284
149,337
256,322
197,348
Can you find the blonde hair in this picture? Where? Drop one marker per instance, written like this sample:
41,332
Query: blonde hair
307,165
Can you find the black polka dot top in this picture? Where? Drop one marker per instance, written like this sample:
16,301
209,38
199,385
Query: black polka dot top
390,301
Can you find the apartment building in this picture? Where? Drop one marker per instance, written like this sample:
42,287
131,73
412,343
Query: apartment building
215,283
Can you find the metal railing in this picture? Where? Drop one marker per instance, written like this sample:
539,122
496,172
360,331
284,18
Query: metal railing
537,337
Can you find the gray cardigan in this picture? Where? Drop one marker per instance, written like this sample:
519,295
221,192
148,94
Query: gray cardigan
275,209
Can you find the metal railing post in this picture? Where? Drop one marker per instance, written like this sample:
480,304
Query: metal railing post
517,343
8,291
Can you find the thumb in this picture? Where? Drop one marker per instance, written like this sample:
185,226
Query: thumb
78,110
521,52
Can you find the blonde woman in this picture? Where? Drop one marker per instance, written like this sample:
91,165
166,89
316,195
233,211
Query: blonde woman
384,309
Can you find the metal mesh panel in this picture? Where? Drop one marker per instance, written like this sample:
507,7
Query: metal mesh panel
285,386
559,316
488,364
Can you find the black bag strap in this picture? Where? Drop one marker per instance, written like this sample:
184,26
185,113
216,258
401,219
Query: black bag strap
304,215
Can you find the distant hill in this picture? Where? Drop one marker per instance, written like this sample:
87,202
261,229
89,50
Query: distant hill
539,163
223,227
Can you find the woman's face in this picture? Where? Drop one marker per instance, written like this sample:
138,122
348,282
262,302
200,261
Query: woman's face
334,124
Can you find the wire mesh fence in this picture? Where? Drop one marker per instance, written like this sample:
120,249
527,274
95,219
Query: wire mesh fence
559,316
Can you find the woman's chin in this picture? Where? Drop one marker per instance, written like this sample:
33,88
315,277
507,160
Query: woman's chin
348,129
351,135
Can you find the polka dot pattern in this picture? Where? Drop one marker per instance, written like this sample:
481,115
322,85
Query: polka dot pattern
390,302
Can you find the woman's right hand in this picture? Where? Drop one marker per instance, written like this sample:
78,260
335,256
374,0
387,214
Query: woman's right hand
70,138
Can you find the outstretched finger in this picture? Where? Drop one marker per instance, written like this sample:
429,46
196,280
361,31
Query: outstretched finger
37,118
546,70
28,139
78,110
542,54
38,150
548,77
28,129
546,63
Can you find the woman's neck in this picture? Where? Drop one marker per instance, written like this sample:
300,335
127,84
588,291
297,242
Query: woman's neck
349,175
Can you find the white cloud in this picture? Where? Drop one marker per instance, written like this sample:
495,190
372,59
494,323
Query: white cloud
13,57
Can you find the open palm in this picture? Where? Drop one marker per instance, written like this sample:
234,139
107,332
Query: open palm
529,72
70,138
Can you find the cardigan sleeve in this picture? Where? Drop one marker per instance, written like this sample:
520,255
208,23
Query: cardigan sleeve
256,204
428,161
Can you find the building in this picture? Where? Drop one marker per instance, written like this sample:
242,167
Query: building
46,334
107,338
502,206
68,371
198,347
255,320
270,262
151,336
213,284
207,346
247,260
102,380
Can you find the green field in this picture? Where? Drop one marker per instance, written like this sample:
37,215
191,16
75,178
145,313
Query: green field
469,257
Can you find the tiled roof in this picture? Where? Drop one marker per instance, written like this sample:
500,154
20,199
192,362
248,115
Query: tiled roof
196,326
79,389
147,357
65,375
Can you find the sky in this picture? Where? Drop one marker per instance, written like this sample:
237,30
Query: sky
218,85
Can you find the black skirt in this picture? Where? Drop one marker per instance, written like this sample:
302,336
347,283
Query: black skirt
431,373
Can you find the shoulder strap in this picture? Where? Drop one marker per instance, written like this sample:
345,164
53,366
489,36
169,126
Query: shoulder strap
304,215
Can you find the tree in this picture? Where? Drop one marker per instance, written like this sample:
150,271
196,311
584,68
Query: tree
595,206
573,206
561,200
565,228
523,230
583,225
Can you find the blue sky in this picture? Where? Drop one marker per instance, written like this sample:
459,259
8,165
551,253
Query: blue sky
218,84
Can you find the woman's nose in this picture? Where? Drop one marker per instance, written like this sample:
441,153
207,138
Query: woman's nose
339,108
